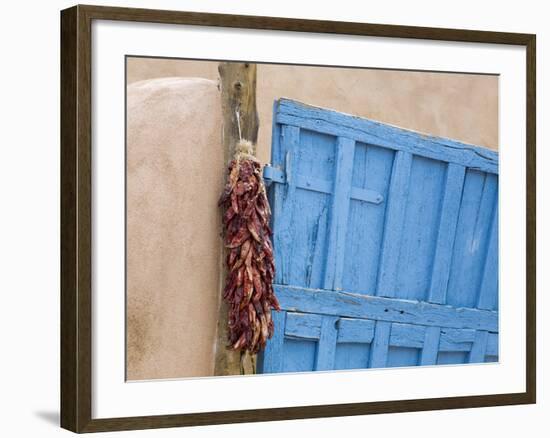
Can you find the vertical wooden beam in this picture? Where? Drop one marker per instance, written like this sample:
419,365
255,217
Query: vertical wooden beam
238,93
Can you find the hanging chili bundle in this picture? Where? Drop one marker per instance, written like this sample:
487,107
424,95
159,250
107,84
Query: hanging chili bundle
249,261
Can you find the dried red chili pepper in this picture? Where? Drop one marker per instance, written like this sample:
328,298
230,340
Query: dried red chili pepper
250,263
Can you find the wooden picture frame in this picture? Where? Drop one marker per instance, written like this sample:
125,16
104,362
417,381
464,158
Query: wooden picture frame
76,217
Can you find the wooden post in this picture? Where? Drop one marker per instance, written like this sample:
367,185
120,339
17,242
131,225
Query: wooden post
238,93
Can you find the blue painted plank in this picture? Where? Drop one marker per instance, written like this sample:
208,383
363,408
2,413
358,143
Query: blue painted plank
355,330
372,168
492,345
454,347
352,356
452,357
479,347
393,228
283,210
273,353
456,339
380,345
368,131
488,293
289,106
326,349
430,348
303,325
277,155
353,305
488,205
310,182
420,227
298,355
299,233
446,234
308,326
403,357
338,217
407,335
322,186
273,174
472,238
316,155
366,195
306,256
462,340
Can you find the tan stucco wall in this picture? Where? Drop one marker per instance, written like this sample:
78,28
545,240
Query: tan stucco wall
175,175
459,106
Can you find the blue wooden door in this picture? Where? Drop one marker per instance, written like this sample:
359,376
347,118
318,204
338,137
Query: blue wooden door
386,245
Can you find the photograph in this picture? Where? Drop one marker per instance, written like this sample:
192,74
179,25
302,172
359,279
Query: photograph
269,218
291,218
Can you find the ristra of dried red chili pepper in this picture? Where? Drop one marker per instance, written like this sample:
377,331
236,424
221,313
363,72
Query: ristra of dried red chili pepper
250,263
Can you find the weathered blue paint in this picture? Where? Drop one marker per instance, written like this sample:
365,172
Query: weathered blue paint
479,347
380,344
393,231
334,123
446,233
339,210
326,348
430,346
353,305
271,361
488,293
386,245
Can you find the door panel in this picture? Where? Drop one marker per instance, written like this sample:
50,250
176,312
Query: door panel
386,245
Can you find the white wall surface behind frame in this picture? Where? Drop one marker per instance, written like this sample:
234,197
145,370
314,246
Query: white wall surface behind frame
112,397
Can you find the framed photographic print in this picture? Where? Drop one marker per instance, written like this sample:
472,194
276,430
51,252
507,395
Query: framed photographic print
268,218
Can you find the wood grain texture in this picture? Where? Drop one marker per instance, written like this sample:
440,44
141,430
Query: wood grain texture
69,321
393,228
369,131
433,244
238,89
76,215
447,229
488,293
531,217
326,350
479,347
339,209
273,354
240,120
380,345
76,291
430,348
282,241
352,305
